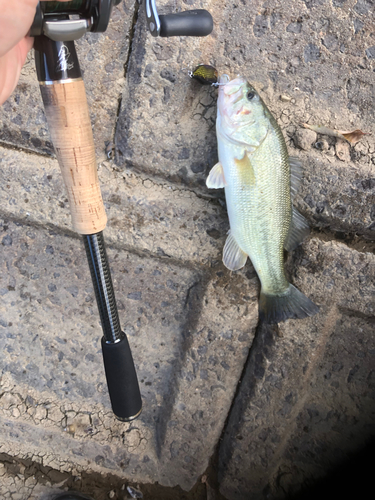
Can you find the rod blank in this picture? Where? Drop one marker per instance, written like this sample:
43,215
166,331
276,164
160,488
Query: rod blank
119,367
104,293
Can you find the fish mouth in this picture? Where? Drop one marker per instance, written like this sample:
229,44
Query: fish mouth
243,111
235,98
230,93
230,86
233,90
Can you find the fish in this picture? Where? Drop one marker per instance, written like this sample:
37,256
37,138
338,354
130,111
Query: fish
260,180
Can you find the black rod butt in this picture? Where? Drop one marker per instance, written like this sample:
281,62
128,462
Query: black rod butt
122,379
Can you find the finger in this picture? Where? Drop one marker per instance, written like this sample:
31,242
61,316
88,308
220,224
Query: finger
25,45
16,18
15,21
10,68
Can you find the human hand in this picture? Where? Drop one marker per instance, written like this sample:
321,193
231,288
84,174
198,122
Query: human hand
16,18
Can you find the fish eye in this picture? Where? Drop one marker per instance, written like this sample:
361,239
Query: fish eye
250,95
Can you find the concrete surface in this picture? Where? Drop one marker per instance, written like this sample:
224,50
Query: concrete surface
302,400
307,398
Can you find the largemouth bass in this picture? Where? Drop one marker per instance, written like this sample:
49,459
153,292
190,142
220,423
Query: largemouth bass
260,180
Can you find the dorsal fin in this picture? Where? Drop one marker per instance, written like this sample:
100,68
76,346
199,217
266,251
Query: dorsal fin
296,173
299,229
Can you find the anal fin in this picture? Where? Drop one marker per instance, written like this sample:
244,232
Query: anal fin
233,257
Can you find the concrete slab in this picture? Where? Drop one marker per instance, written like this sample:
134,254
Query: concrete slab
188,347
143,213
307,397
338,197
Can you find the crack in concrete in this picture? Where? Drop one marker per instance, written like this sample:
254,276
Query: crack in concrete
25,478
137,170
351,240
126,66
142,253
27,151
131,37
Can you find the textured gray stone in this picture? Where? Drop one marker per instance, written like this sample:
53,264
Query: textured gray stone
143,214
337,196
311,53
166,125
187,344
304,138
307,397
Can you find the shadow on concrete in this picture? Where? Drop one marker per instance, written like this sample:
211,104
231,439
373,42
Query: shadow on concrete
352,479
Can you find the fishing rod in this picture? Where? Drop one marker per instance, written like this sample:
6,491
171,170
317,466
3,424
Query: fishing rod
55,27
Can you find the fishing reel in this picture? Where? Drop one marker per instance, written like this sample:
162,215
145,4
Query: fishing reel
67,21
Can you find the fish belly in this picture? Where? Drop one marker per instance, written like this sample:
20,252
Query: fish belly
259,210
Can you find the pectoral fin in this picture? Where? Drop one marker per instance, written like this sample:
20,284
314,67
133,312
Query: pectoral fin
233,257
299,229
216,179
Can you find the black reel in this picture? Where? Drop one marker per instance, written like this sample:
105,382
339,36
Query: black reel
66,21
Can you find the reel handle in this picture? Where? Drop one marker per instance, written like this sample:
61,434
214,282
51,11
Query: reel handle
196,22
189,23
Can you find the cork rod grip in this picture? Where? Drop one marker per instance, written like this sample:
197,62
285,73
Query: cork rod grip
70,128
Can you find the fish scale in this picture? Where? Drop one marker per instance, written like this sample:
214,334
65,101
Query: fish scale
255,171
258,211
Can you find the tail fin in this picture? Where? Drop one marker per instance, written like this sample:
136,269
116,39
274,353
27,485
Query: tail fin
291,304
